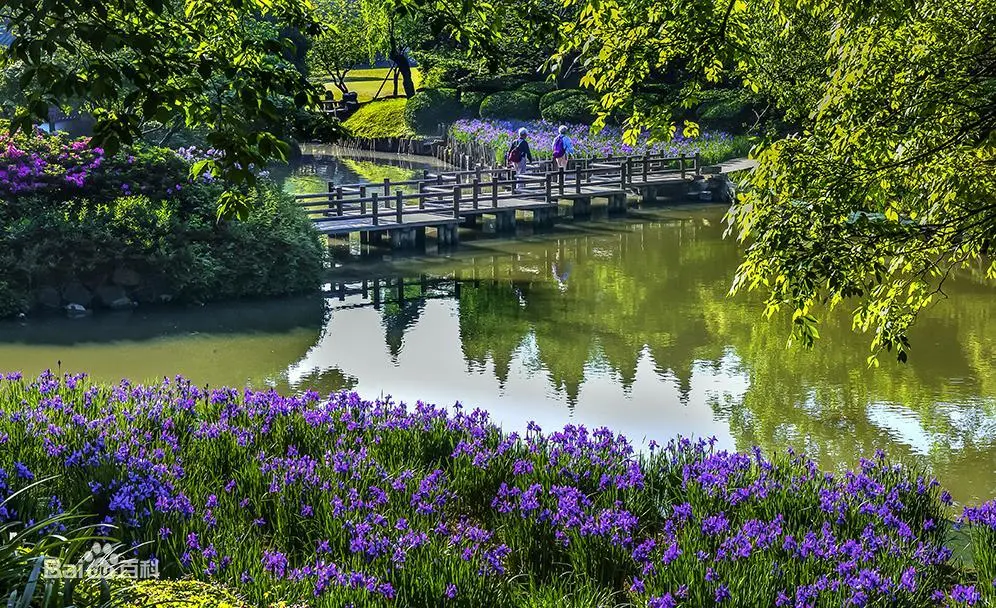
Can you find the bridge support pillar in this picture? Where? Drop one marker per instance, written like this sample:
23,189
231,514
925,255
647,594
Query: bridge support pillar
543,218
471,221
404,238
582,207
505,221
617,203
448,234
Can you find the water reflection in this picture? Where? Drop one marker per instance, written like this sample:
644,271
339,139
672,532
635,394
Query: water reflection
320,165
624,324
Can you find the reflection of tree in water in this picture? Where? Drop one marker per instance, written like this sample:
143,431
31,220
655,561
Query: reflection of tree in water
326,381
663,288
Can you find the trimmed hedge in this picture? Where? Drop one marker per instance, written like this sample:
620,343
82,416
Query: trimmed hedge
559,95
430,107
538,88
471,103
497,84
575,109
379,119
511,105
176,594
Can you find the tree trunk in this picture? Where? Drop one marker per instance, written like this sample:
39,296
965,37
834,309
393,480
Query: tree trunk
400,60
396,73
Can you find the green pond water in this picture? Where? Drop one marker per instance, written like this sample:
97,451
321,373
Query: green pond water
623,323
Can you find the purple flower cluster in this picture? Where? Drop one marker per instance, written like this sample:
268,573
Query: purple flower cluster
346,501
41,161
498,135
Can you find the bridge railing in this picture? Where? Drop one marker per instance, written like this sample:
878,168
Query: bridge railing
483,187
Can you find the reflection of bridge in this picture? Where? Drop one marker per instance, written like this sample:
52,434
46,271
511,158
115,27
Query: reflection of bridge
403,210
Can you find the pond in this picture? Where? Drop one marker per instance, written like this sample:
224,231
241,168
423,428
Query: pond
624,323
321,164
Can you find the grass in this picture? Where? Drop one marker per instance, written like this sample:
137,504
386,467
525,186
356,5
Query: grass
379,119
335,501
366,82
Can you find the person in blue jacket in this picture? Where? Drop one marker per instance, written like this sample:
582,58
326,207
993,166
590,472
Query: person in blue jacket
563,147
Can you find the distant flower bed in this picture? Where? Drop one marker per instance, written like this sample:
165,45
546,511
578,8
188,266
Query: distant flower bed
498,135
338,501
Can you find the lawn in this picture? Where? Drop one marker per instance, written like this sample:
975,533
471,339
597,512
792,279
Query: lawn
379,119
366,82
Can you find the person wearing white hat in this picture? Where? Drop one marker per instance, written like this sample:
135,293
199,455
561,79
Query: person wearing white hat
563,147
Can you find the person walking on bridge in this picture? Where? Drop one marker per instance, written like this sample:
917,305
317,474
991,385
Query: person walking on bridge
518,155
562,147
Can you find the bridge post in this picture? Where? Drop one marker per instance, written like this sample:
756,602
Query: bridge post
494,190
698,164
646,167
421,195
681,165
363,202
387,187
577,180
338,201
375,203
560,181
456,201
623,175
548,183
477,190
399,205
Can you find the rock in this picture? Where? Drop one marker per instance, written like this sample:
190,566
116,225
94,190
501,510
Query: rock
122,304
76,310
48,298
75,293
126,277
108,295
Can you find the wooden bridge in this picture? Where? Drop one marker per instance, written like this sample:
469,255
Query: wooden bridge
403,210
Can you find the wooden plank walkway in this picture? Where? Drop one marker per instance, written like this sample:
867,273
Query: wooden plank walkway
442,201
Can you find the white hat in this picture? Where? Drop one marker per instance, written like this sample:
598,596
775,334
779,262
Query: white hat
562,129
522,131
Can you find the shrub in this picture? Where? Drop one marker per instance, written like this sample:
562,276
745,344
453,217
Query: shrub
730,110
379,119
139,213
558,95
178,594
539,88
317,126
496,84
512,105
471,102
442,72
574,109
430,108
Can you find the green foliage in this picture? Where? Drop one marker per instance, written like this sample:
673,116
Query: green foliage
538,88
574,109
730,110
510,105
559,95
431,107
179,594
221,65
497,84
471,102
317,126
379,119
445,71
337,48
887,186
140,210
25,548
